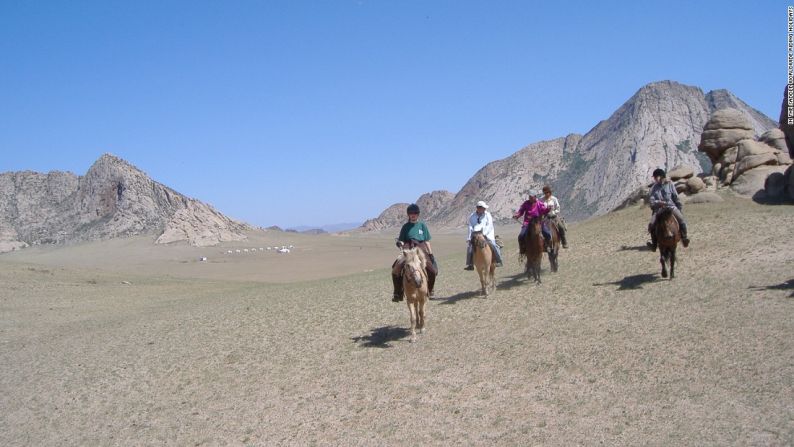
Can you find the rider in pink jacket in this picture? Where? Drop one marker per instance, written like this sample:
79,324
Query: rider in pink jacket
530,209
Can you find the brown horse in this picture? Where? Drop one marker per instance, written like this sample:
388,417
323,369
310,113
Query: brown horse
533,247
485,262
415,285
667,237
554,250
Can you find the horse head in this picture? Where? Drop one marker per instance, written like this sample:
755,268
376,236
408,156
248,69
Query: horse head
414,265
478,239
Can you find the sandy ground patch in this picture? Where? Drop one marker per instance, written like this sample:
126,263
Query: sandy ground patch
602,352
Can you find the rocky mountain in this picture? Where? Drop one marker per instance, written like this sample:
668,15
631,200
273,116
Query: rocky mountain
113,199
431,205
591,174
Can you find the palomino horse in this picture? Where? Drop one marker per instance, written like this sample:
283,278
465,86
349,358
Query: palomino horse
484,261
533,247
667,237
554,250
415,286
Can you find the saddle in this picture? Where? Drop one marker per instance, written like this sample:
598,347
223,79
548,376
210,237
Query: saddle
431,266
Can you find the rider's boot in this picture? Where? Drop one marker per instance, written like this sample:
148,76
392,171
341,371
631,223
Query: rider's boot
684,238
398,288
431,282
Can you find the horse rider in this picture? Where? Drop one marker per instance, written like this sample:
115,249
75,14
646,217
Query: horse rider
530,209
413,233
662,196
553,205
481,219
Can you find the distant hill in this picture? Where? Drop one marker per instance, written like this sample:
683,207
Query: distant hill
113,199
328,228
591,174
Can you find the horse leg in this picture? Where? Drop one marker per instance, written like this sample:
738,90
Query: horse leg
672,264
492,276
421,315
412,310
662,260
553,260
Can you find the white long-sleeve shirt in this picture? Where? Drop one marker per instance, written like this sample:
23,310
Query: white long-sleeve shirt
553,205
486,221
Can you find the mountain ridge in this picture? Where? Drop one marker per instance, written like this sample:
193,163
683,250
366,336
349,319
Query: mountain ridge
113,199
659,126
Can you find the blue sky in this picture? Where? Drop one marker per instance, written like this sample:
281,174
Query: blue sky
316,112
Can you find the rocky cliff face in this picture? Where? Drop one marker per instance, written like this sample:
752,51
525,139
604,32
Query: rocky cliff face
113,199
430,205
591,174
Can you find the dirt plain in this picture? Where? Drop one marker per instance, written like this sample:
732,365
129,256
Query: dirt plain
126,343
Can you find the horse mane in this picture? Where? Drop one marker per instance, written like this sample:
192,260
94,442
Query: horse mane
414,258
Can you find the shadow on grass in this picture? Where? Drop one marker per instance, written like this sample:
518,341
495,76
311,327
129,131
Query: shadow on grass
634,248
633,282
509,282
788,285
460,296
380,337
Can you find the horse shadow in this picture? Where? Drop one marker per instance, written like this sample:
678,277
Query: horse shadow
460,296
509,282
787,285
633,282
634,248
380,337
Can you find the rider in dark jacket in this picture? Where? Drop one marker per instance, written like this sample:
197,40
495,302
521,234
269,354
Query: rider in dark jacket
662,196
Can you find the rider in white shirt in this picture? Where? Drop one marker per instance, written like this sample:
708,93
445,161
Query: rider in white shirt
553,205
482,219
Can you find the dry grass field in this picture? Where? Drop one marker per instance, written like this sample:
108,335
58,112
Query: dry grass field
124,343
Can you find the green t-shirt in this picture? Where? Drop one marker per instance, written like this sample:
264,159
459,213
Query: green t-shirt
417,231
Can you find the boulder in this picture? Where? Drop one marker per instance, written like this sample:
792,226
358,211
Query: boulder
728,119
789,175
774,138
715,169
746,148
681,172
775,186
715,142
694,185
752,181
729,156
680,186
704,197
783,158
710,181
788,129
753,161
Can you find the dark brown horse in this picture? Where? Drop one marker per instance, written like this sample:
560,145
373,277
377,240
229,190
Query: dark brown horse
667,237
554,250
533,247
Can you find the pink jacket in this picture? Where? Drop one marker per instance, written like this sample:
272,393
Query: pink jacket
530,210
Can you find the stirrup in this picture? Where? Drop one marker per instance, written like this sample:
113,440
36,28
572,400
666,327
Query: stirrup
651,246
396,298
468,267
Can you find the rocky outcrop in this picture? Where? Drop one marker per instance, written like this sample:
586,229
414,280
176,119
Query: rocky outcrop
738,159
114,199
594,173
783,122
391,217
394,216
